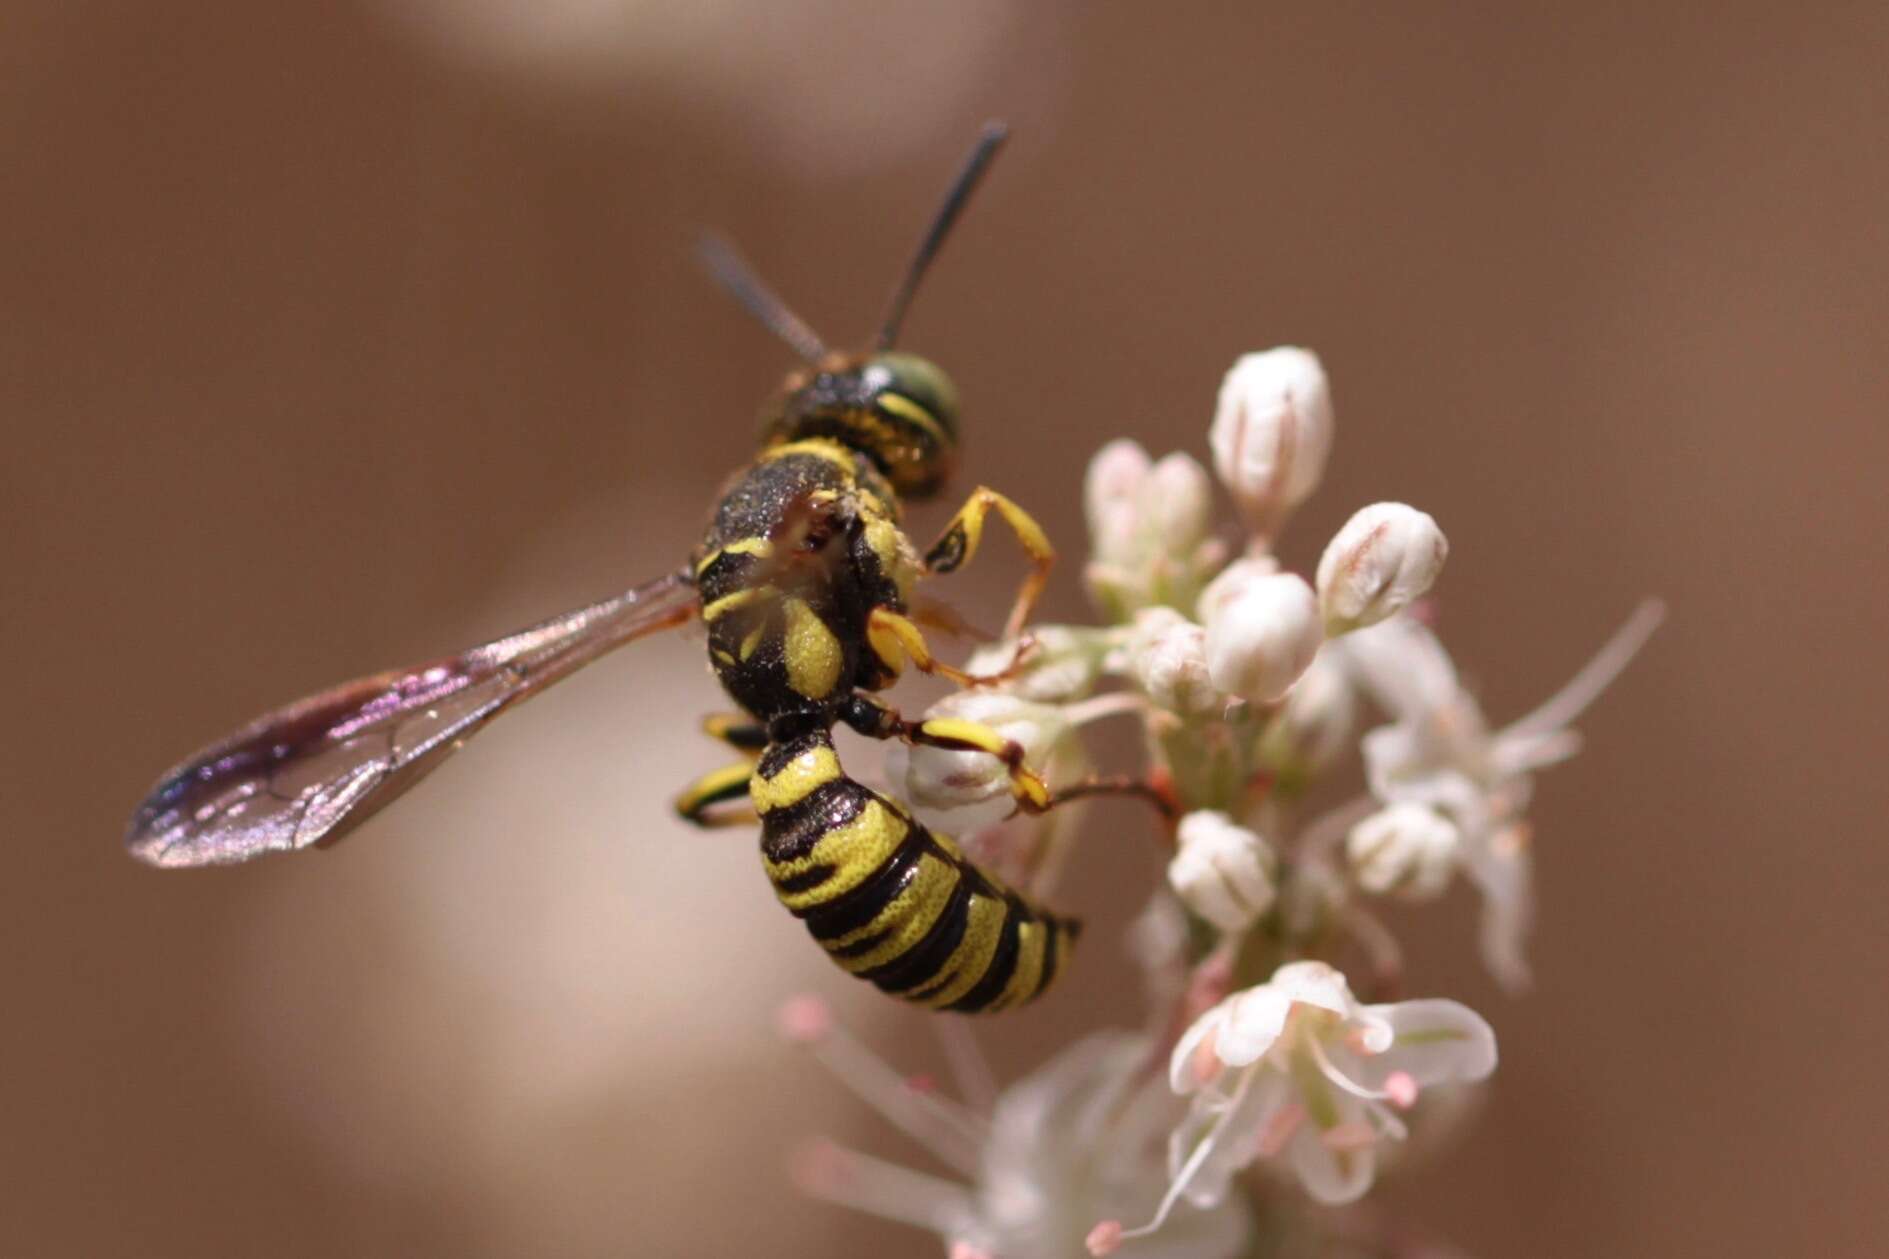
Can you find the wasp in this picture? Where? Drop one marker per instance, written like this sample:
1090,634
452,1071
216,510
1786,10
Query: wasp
805,583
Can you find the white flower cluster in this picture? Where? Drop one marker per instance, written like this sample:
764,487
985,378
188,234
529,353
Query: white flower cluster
1251,684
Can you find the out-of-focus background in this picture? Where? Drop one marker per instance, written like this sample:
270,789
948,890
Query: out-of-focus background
334,335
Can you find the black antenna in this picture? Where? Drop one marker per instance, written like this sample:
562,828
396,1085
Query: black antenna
988,142
733,273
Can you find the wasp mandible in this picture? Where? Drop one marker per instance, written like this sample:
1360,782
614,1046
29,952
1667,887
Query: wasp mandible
805,584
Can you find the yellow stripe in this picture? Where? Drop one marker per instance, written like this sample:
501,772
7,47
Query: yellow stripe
819,448
908,917
709,786
814,655
854,850
729,602
743,546
903,407
973,955
796,780
1032,942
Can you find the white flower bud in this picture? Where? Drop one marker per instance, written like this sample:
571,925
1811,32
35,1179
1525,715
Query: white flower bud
1271,432
1407,848
1234,578
1386,556
1176,501
1221,870
1167,655
940,778
1110,493
1061,666
1264,638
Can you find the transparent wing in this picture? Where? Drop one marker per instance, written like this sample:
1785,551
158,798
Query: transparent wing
313,771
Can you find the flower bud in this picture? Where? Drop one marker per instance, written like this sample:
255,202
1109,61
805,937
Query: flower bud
1061,665
1221,870
1271,432
1110,491
1264,638
1176,501
1407,848
942,778
1167,655
1234,578
1385,557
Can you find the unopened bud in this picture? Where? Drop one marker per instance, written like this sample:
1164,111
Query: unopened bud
1110,492
1234,578
1222,871
1386,556
1271,433
944,778
1167,655
1177,503
1061,664
1407,848
1264,638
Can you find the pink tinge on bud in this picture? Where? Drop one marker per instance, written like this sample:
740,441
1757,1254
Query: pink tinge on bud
820,1167
922,1083
1206,1064
1401,1088
1104,1238
1209,983
804,1019
964,1250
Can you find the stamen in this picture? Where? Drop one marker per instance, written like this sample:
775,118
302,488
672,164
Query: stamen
944,1128
1082,712
1104,1238
1401,1088
1349,1138
1279,1127
864,1183
1330,1071
804,1019
1195,1161
969,1067
1594,677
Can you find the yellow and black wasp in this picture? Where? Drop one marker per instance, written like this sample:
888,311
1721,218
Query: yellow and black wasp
805,584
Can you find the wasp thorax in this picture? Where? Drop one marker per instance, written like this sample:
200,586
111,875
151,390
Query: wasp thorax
898,409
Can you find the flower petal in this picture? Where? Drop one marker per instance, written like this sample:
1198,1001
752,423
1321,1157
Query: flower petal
1182,1075
1437,1042
1334,1170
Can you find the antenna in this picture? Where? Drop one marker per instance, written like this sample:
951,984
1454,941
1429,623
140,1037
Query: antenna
732,272
988,142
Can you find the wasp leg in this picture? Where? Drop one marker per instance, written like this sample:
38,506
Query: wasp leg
737,730
724,785
1116,785
895,637
957,545
876,720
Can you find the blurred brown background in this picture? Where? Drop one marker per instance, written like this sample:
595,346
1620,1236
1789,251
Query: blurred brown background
338,334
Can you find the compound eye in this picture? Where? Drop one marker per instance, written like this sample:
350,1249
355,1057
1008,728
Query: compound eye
921,383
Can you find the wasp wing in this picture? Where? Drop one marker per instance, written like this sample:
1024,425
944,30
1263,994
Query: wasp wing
313,771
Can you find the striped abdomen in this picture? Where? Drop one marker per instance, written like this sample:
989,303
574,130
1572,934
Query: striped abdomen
891,901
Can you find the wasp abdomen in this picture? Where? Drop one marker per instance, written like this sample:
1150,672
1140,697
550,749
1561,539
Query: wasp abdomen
890,900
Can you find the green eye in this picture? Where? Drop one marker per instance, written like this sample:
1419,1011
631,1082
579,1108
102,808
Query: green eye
922,382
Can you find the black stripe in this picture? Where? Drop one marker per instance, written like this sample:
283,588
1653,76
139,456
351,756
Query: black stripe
778,755
1003,963
805,881
862,946
790,833
1051,936
859,905
924,961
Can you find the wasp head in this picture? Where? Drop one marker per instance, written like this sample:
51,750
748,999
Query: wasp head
897,409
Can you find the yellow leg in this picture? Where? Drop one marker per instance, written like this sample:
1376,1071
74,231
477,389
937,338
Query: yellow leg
724,785
877,721
737,730
957,545
895,638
